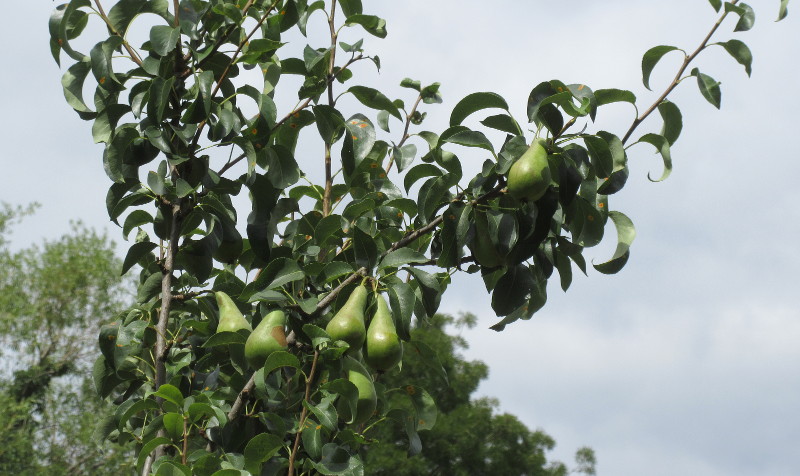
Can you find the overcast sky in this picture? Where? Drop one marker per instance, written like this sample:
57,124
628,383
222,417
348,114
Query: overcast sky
687,362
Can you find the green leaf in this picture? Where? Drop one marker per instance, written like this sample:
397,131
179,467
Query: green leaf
418,172
136,252
375,99
709,88
225,338
317,335
462,136
372,24
280,359
625,236
602,158
747,17
784,10
503,122
325,411
171,468
173,423
351,7
260,448
330,123
124,11
335,270
425,407
662,145
397,258
474,103
72,84
337,460
740,52
277,273
673,121
62,17
102,69
717,4
430,290
651,59
401,300
164,38
608,96
347,391
511,291
148,448
411,84
366,251
170,393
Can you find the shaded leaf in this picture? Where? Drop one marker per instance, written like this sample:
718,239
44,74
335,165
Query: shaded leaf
709,87
662,145
673,121
740,52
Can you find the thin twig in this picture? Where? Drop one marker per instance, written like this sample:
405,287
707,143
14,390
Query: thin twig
134,56
227,69
303,414
678,76
405,132
326,196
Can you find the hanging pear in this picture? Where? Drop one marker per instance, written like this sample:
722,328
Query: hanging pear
367,398
269,336
384,349
230,317
348,323
530,176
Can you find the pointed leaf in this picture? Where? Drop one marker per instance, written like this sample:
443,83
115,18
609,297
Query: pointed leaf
625,236
709,88
740,52
673,121
474,103
375,99
135,253
662,145
651,59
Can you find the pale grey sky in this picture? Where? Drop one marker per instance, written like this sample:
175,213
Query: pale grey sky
685,363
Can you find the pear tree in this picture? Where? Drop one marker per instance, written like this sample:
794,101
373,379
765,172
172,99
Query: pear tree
270,303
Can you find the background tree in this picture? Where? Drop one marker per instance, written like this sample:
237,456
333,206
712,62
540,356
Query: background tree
53,299
469,437
187,397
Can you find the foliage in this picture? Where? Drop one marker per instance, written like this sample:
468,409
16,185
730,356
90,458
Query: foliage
193,116
52,300
468,438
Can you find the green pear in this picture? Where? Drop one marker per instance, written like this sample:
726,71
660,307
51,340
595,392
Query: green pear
230,317
269,336
348,323
529,176
367,398
483,250
384,349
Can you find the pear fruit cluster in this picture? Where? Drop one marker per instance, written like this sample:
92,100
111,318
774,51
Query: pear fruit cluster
382,349
529,176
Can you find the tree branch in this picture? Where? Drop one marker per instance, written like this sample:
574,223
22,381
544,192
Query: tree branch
678,76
